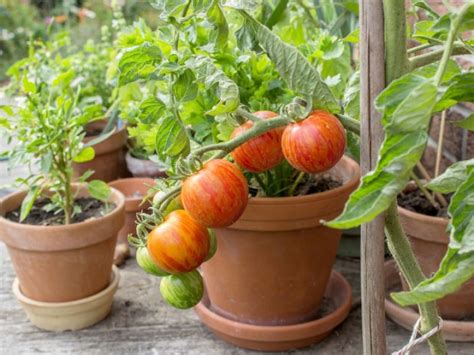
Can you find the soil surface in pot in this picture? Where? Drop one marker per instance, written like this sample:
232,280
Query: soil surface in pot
414,200
87,207
312,184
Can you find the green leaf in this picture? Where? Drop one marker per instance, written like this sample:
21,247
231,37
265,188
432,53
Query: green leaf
28,86
458,89
171,139
351,100
405,122
450,180
457,266
466,123
28,202
151,110
293,67
220,31
138,63
185,87
99,190
353,37
84,155
227,90
424,5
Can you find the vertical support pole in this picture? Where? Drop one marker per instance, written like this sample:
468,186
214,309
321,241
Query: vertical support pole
372,80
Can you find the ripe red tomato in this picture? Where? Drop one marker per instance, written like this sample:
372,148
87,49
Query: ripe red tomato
315,144
260,153
217,195
179,244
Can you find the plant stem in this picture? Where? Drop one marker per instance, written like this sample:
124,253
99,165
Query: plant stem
350,124
423,189
434,56
420,47
247,115
307,10
439,152
396,65
295,183
400,248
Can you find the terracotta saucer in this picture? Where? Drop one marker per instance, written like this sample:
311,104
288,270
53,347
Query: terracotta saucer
461,331
74,315
284,337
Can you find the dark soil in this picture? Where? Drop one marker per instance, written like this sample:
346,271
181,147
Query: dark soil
90,208
317,183
91,132
414,200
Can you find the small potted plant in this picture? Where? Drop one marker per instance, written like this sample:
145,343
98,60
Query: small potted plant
60,233
266,242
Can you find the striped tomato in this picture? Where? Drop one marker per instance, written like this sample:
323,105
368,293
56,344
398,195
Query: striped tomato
315,144
262,152
145,261
217,195
179,244
183,290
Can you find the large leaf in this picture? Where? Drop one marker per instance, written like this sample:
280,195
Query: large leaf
220,31
405,123
466,123
171,139
458,89
138,62
185,87
351,100
457,266
454,176
293,67
151,110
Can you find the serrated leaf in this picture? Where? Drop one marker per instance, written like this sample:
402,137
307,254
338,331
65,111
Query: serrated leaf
458,89
28,202
220,31
99,190
405,123
351,99
293,67
138,62
185,87
457,266
151,110
466,123
171,139
452,178
84,155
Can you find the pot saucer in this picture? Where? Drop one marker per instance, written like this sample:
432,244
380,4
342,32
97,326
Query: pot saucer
74,315
453,330
282,337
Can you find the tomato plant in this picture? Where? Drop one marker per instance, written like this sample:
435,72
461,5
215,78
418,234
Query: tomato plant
260,153
314,144
216,195
179,244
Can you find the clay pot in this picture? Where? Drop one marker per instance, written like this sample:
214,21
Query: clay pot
134,189
144,167
109,161
62,263
429,242
273,265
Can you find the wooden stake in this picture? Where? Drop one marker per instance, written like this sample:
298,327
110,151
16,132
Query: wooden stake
372,80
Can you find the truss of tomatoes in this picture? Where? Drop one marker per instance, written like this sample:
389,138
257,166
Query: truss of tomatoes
217,195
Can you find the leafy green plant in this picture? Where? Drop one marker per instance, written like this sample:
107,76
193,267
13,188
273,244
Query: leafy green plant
46,131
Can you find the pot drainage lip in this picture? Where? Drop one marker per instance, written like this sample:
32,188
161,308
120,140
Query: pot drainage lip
406,317
282,337
114,281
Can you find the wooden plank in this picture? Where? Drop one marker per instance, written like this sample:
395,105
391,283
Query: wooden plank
372,79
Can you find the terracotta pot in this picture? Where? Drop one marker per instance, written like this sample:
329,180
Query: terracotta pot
109,162
429,242
144,167
62,263
273,265
134,189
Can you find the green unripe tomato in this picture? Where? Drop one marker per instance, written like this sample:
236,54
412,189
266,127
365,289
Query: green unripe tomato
146,263
182,290
212,244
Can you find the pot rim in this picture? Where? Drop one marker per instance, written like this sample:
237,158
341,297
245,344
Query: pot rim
352,167
116,197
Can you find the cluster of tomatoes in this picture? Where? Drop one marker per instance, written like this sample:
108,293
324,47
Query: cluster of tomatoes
217,195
